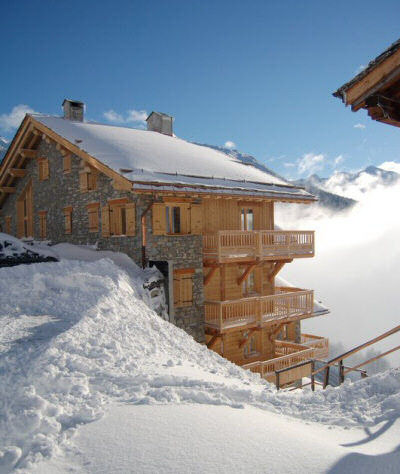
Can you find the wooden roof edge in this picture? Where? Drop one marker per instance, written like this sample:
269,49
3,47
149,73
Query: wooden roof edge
341,92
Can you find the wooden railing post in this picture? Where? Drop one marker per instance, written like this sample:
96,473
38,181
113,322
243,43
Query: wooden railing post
312,376
326,377
341,371
220,317
259,244
277,380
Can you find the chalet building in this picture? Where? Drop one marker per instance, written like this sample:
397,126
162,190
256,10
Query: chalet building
204,218
377,88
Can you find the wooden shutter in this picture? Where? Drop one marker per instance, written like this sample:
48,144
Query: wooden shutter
83,181
43,224
196,219
185,218
68,220
20,219
8,224
187,289
183,287
105,221
92,180
130,218
93,217
158,212
67,163
46,172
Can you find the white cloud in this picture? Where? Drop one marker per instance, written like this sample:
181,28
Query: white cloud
112,116
131,116
229,144
356,270
360,68
310,163
339,159
359,125
390,166
289,165
137,116
11,121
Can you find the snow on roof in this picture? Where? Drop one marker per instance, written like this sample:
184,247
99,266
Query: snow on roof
147,156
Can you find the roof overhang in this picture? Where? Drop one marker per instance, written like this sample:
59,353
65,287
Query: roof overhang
377,88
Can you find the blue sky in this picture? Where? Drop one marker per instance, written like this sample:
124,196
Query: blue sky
257,73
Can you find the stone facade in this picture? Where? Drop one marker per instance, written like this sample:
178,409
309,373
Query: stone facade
63,190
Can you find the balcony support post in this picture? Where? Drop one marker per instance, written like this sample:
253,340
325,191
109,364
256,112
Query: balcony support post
246,273
210,274
277,268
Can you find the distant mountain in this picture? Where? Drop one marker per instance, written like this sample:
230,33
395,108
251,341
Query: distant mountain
326,199
356,185
3,147
244,158
313,184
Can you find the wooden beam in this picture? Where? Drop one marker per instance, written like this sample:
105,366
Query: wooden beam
28,153
243,341
246,273
212,341
276,269
210,274
17,172
7,189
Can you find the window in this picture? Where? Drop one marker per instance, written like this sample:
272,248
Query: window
25,213
68,220
43,164
42,225
7,220
183,287
177,218
88,180
248,285
67,163
93,216
250,348
173,219
118,218
247,219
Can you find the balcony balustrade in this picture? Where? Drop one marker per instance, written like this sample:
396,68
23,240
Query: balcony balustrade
235,245
287,304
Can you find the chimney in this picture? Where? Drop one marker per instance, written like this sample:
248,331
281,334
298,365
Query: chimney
73,110
159,122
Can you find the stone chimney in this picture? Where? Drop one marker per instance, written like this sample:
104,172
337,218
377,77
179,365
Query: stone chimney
73,110
159,122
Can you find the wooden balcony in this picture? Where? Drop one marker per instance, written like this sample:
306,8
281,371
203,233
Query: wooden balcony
288,354
318,343
287,304
236,245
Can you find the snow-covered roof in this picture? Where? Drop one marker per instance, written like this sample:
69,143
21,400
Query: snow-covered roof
144,156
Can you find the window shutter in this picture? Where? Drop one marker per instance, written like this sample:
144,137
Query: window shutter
130,219
67,163
177,292
83,181
20,219
93,215
105,221
186,290
196,219
185,218
158,211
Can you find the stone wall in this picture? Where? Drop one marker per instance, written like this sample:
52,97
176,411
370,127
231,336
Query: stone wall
62,190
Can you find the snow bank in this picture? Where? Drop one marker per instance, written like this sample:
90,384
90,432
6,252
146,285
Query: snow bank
77,336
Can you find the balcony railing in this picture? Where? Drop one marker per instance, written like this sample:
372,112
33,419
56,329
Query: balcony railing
285,304
228,245
319,344
294,354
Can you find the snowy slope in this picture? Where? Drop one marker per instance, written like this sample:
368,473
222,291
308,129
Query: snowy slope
3,147
78,341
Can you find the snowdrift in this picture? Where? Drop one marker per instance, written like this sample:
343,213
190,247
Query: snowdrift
77,336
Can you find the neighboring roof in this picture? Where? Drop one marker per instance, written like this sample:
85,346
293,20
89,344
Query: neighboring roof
150,157
371,65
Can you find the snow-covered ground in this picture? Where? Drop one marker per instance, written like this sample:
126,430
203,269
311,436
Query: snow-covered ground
92,380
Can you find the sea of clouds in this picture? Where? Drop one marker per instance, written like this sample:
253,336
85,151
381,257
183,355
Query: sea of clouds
356,271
